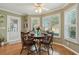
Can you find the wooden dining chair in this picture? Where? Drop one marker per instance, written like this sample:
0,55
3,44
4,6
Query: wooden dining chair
27,43
47,42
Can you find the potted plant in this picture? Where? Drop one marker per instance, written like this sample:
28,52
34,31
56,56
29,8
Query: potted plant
1,41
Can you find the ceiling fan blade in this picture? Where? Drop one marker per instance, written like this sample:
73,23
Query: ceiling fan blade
39,4
46,8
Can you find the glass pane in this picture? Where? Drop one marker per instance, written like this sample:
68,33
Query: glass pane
55,20
35,22
72,32
55,25
73,17
70,24
55,30
46,23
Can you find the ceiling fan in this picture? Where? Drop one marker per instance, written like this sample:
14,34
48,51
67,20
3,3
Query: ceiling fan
39,7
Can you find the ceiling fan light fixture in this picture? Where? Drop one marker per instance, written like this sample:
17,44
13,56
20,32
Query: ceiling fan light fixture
38,7
40,10
36,10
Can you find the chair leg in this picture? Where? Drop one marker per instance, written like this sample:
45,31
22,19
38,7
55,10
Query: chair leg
39,49
48,49
21,50
35,48
51,48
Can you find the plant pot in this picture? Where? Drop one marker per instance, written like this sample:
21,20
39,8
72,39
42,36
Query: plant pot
1,43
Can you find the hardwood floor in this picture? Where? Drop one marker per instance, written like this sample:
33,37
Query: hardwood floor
62,50
13,49
16,48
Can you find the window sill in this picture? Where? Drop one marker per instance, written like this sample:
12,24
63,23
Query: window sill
72,40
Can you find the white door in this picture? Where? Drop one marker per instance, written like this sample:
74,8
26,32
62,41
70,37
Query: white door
13,29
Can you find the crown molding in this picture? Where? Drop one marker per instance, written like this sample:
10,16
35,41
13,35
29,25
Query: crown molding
9,11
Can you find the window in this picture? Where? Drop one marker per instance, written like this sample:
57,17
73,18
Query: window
35,21
46,23
70,24
55,24
52,23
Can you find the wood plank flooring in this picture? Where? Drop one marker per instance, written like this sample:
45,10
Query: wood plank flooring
62,50
14,49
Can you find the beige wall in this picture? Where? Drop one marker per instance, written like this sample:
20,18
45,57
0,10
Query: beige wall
24,20
3,32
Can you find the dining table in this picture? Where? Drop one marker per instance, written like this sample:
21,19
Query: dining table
37,39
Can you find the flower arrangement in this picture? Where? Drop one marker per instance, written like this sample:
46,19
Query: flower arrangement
38,28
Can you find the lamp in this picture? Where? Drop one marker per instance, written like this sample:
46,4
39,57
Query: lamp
38,7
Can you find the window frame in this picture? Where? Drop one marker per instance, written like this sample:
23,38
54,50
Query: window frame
32,18
59,15
43,18
74,25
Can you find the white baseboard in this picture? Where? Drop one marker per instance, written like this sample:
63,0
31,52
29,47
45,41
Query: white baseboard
13,42
67,48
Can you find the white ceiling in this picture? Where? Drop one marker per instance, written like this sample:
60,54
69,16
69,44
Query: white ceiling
28,8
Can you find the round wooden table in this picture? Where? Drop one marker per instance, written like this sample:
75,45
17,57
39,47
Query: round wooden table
37,39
